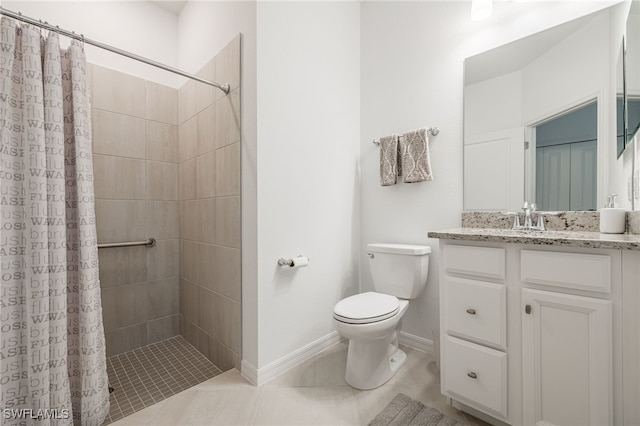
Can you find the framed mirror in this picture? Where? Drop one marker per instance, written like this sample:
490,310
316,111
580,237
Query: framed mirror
537,125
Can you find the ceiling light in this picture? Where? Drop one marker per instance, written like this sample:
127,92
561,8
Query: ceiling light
481,9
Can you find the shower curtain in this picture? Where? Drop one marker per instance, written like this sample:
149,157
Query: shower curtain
52,348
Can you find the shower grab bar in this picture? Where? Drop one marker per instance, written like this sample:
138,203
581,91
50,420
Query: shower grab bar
80,37
149,243
433,131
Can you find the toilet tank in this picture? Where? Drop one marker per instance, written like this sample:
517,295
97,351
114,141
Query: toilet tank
399,269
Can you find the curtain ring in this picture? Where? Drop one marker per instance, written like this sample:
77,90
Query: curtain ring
82,42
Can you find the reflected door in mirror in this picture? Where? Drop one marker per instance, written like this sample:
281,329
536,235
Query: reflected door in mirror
566,160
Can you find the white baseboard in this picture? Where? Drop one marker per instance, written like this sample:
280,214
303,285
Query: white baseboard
415,342
260,376
249,372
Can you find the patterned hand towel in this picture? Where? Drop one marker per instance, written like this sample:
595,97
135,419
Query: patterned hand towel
389,155
416,164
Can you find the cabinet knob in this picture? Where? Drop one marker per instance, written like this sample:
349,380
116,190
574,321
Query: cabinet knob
471,311
527,309
472,375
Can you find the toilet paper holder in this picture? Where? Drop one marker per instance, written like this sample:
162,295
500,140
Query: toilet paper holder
288,262
285,262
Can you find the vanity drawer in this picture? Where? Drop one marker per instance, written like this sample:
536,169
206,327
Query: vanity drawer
476,310
480,261
581,271
476,375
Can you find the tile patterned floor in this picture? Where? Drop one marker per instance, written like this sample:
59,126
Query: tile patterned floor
312,393
148,375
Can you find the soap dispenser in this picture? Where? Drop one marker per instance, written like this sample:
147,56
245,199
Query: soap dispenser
612,219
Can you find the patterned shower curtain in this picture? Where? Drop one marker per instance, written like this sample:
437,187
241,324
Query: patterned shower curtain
52,348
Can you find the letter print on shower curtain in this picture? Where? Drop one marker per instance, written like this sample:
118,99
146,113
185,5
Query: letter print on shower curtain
52,349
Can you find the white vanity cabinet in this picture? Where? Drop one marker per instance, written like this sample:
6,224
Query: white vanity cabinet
473,318
535,335
567,338
566,359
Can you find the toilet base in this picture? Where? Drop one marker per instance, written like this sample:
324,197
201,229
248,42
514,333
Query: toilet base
372,363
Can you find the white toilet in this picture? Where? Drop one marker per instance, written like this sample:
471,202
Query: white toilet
371,321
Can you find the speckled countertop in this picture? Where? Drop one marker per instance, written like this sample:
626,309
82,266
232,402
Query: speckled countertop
549,238
569,229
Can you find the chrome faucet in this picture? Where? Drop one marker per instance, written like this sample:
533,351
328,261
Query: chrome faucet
528,209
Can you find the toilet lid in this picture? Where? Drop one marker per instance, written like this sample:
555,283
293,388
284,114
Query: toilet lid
366,308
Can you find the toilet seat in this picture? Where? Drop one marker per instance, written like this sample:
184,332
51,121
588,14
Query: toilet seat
366,308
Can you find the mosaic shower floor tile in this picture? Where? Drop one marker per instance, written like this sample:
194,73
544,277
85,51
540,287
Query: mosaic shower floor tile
150,374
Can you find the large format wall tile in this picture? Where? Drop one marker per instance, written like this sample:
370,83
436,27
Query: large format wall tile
228,65
119,311
206,94
188,139
210,211
205,267
162,141
163,219
228,221
206,175
120,220
163,260
162,297
161,103
189,291
207,307
162,328
126,338
228,119
135,140
190,224
206,130
162,181
118,134
118,92
228,170
207,220
223,357
227,272
187,107
119,178
122,265
227,322
188,179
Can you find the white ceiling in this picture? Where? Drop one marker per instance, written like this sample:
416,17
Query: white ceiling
172,6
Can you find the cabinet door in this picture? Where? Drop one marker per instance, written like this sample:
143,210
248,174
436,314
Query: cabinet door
567,367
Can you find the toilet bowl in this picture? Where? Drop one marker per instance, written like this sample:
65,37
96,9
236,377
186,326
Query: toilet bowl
372,320
373,356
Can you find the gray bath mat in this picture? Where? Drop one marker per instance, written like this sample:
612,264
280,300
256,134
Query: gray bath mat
404,411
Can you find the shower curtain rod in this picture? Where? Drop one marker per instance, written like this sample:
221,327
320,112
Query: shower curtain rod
224,87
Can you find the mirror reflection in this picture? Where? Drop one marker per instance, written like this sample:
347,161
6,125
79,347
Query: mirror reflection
536,120
632,74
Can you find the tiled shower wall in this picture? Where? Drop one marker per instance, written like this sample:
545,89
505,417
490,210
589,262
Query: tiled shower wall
136,183
209,151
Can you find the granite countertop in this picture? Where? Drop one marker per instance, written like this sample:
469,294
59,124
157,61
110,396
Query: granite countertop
551,238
